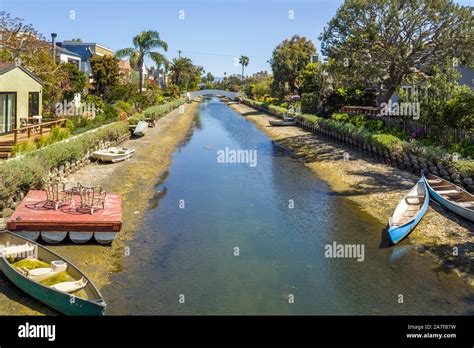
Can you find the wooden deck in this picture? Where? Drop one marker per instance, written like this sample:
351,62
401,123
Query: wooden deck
31,215
22,134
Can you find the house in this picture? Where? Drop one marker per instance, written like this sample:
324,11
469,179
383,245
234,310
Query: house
66,56
21,95
86,50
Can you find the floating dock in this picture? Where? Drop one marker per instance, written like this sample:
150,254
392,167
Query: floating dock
31,218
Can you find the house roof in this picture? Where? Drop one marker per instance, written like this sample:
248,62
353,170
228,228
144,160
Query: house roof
7,66
68,52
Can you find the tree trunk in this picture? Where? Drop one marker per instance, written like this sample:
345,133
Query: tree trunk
242,72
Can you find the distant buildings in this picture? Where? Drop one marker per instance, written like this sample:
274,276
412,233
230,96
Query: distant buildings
86,50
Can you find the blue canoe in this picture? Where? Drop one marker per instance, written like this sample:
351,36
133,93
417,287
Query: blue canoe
409,212
450,196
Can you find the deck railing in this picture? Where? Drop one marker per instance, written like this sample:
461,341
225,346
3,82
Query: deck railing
36,129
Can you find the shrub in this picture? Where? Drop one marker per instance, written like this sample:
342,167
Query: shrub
340,117
310,102
387,141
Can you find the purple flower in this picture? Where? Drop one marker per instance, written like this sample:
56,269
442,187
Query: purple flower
418,132
295,97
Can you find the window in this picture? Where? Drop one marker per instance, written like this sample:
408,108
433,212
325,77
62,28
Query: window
33,104
7,112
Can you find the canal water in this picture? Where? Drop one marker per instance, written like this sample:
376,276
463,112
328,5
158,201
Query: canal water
233,238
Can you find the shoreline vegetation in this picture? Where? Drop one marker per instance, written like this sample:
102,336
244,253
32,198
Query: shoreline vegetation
375,187
136,188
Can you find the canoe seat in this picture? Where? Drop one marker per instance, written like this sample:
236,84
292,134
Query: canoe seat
15,250
414,200
447,192
468,205
70,286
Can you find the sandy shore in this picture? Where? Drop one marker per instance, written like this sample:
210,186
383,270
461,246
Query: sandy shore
377,189
135,180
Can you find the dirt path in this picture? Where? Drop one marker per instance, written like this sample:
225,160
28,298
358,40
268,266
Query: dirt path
135,180
377,188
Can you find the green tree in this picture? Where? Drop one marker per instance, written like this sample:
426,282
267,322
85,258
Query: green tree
288,60
380,43
446,103
311,78
77,80
105,73
243,61
184,74
143,46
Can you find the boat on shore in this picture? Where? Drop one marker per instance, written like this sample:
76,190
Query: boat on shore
285,122
72,294
409,212
451,196
140,129
113,154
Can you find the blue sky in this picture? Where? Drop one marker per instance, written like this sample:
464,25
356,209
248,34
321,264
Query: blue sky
212,32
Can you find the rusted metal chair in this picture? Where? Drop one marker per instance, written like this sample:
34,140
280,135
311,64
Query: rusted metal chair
56,194
92,198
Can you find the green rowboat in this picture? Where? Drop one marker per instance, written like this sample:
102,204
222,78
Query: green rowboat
87,300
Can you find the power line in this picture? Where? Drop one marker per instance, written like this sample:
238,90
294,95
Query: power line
222,54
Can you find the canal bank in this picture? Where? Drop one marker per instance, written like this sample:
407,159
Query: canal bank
377,189
134,180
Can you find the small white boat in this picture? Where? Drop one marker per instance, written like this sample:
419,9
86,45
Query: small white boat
113,154
451,196
409,212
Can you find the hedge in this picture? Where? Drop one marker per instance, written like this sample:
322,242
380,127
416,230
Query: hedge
158,110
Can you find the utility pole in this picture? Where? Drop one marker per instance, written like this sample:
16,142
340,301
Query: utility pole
179,53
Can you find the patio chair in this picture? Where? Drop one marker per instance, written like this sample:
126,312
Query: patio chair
56,194
92,198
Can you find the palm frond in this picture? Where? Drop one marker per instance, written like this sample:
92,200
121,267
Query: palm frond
125,52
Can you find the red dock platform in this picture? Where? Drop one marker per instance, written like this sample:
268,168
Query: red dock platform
31,215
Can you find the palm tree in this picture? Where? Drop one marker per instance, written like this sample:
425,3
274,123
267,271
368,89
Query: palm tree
143,44
244,61
179,68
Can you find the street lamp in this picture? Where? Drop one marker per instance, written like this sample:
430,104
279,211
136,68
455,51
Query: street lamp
53,40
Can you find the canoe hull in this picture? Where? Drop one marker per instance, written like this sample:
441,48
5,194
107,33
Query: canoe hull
398,233
282,123
60,301
63,302
140,129
465,213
